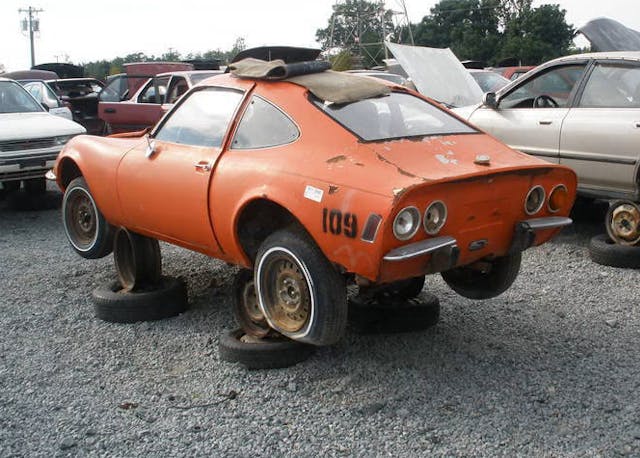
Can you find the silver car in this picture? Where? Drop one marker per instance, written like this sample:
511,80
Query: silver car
582,111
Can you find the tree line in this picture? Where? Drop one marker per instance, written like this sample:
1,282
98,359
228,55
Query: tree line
484,30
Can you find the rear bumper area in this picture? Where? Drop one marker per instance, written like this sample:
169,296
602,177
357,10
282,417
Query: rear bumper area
442,253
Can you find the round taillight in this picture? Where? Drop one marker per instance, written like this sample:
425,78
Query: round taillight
534,200
558,198
406,223
434,217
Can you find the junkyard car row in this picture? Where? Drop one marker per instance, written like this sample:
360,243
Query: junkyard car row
313,180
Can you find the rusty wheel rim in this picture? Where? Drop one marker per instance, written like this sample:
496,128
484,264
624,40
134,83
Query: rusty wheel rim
286,293
81,219
250,303
624,223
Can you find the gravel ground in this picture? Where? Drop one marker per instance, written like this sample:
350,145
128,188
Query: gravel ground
550,368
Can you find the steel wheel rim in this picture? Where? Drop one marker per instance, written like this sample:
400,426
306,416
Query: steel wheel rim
250,303
81,219
624,224
285,292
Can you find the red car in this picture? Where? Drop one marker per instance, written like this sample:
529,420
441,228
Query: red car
147,105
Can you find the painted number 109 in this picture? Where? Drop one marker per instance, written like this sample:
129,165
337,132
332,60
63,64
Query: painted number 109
337,223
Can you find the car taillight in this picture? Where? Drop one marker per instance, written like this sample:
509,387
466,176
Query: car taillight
406,223
434,217
534,200
558,198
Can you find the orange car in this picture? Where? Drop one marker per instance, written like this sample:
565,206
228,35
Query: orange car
317,181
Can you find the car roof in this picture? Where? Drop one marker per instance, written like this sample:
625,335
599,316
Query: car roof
632,55
190,72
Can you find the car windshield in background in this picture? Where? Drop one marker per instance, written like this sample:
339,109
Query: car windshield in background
489,81
197,77
15,99
394,116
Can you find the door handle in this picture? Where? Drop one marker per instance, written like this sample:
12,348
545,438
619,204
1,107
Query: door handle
638,124
109,110
204,166
545,122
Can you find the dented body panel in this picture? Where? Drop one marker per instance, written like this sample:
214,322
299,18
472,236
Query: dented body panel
344,192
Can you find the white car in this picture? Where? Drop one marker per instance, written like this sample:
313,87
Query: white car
582,111
43,93
30,138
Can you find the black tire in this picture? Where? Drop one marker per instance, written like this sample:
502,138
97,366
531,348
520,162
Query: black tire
11,186
35,186
168,298
267,353
605,251
396,316
90,235
475,284
137,259
320,317
402,289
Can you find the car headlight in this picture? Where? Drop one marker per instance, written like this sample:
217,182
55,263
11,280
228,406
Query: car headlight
434,217
63,139
534,200
558,198
406,223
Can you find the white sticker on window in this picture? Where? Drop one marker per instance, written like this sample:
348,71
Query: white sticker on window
314,194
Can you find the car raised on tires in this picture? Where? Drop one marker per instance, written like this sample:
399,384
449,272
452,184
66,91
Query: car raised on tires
315,181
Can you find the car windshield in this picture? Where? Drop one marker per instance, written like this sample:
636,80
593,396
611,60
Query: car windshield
489,81
15,99
395,116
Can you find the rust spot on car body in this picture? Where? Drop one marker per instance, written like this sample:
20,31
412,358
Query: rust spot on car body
336,159
333,189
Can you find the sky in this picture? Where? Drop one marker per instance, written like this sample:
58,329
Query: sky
75,31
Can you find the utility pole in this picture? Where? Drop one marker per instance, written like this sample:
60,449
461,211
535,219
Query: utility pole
31,23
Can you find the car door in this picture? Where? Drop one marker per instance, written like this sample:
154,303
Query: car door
163,184
529,116
143,111
601,135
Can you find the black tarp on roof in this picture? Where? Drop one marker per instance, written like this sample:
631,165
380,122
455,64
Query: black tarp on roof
608,35
289,54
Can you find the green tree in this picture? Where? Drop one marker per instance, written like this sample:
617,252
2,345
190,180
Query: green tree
468,27
538,35
490,30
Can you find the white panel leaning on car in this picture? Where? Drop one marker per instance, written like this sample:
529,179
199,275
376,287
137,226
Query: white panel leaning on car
30,138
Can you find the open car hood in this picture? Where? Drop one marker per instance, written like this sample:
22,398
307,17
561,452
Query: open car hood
608,35
437,73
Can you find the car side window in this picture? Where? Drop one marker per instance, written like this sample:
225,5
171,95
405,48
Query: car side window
263,126
551,89
177,88
202,119
612,86
35,90
149,95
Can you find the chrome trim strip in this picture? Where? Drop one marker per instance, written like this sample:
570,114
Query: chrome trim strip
419,248
549,222
598,158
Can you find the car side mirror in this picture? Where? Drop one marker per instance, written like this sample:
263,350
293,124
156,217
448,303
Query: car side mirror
490,100
45,106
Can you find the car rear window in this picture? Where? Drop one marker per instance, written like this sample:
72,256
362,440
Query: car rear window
395,116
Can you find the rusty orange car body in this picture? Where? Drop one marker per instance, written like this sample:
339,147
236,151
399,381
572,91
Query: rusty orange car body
343,192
